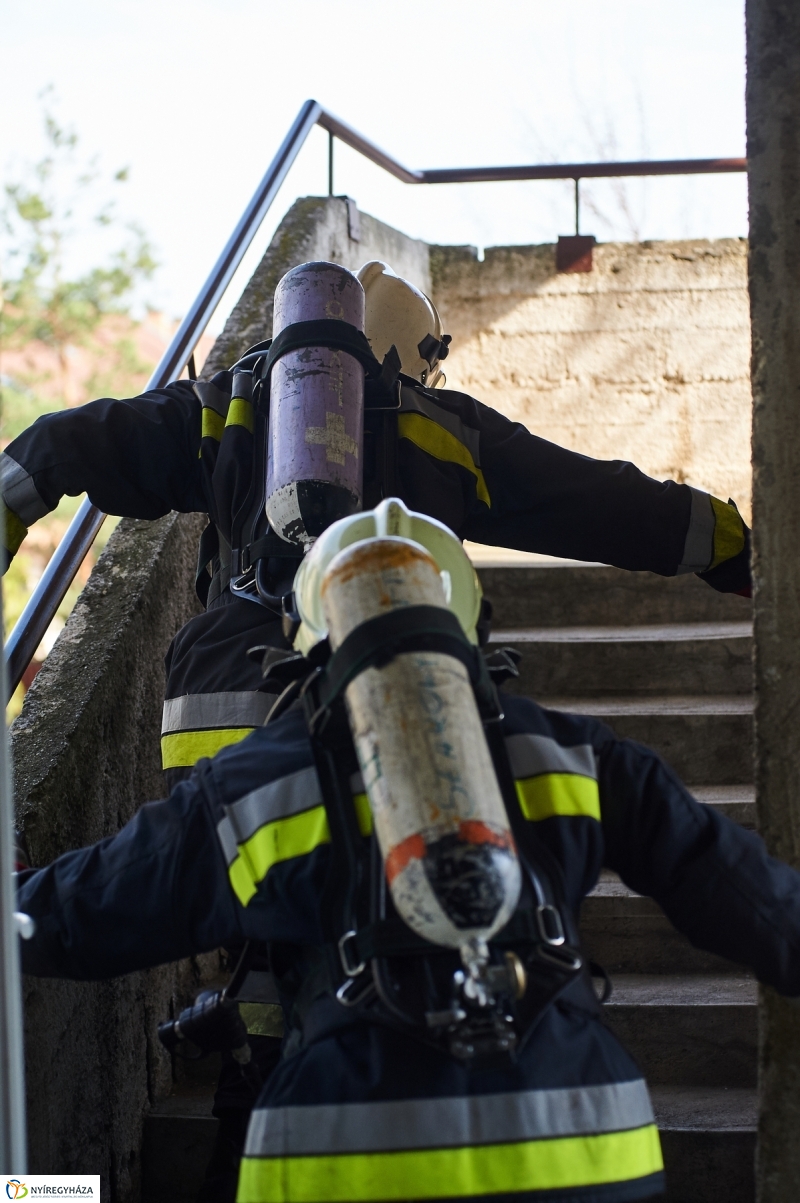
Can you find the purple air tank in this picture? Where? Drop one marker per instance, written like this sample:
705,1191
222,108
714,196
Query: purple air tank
316,420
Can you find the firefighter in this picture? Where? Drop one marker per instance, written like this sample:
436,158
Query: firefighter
194,447
407,1073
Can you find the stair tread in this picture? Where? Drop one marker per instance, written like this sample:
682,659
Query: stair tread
682,990
601,707
661,632
705,1108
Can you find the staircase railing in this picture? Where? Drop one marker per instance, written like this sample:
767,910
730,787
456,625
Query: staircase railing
66,560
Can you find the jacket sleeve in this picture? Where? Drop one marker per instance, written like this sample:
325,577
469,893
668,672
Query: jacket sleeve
545,498
137,458
713,879
156,892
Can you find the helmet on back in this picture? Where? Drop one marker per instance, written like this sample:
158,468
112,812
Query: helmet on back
399,314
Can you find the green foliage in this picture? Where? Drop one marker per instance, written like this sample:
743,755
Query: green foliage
41,300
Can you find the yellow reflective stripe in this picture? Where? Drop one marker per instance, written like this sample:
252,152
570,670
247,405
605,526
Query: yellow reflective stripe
15,532
443,445
240,413
551,794
296,835
536,1165
185,748
728,532
363,813
212,425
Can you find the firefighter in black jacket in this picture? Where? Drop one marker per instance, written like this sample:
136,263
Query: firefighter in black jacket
543,1101
194,448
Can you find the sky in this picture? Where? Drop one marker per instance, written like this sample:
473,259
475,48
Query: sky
195,96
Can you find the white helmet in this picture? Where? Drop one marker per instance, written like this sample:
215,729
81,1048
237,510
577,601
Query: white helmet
390,519
398,313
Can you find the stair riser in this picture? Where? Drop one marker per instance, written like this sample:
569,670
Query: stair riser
716,749
585,596
706,1167
175,1153
690,1045
624,937
644,667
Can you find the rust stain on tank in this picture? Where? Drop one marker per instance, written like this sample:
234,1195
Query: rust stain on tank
377,556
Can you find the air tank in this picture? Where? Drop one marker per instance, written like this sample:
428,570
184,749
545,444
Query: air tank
316,420
442,827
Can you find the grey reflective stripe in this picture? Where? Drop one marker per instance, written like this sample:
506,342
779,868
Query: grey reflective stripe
210,397
413,402
531,755
487,1119
287,796
698,550
19,492
198,711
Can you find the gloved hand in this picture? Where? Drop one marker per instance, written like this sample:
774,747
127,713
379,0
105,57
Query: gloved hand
732,576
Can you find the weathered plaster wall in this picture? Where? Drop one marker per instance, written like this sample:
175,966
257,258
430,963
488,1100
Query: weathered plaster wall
644,358
86,754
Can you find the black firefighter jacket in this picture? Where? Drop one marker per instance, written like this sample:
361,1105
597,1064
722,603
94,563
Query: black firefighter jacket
190,448
360,1112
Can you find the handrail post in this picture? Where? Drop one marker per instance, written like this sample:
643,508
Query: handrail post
330,163
12,1068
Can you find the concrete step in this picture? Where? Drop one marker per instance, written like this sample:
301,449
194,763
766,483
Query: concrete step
707,739
629,934
708,1138
737,802
688,1029
682,658
561,595
179,1134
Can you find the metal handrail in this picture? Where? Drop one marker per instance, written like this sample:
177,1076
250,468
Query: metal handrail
65,562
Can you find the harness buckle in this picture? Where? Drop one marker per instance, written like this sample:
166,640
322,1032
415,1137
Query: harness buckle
548,921
352,970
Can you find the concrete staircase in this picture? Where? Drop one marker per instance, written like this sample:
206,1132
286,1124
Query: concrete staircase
665,662
668,663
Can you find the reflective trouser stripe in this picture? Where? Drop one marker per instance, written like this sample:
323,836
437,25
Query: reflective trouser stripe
563,1163
442,445
296,835
185,748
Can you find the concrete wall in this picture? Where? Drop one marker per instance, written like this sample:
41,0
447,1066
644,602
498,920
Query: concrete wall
86,753
773,154
644,358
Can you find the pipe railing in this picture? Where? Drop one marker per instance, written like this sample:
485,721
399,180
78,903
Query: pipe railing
78,539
